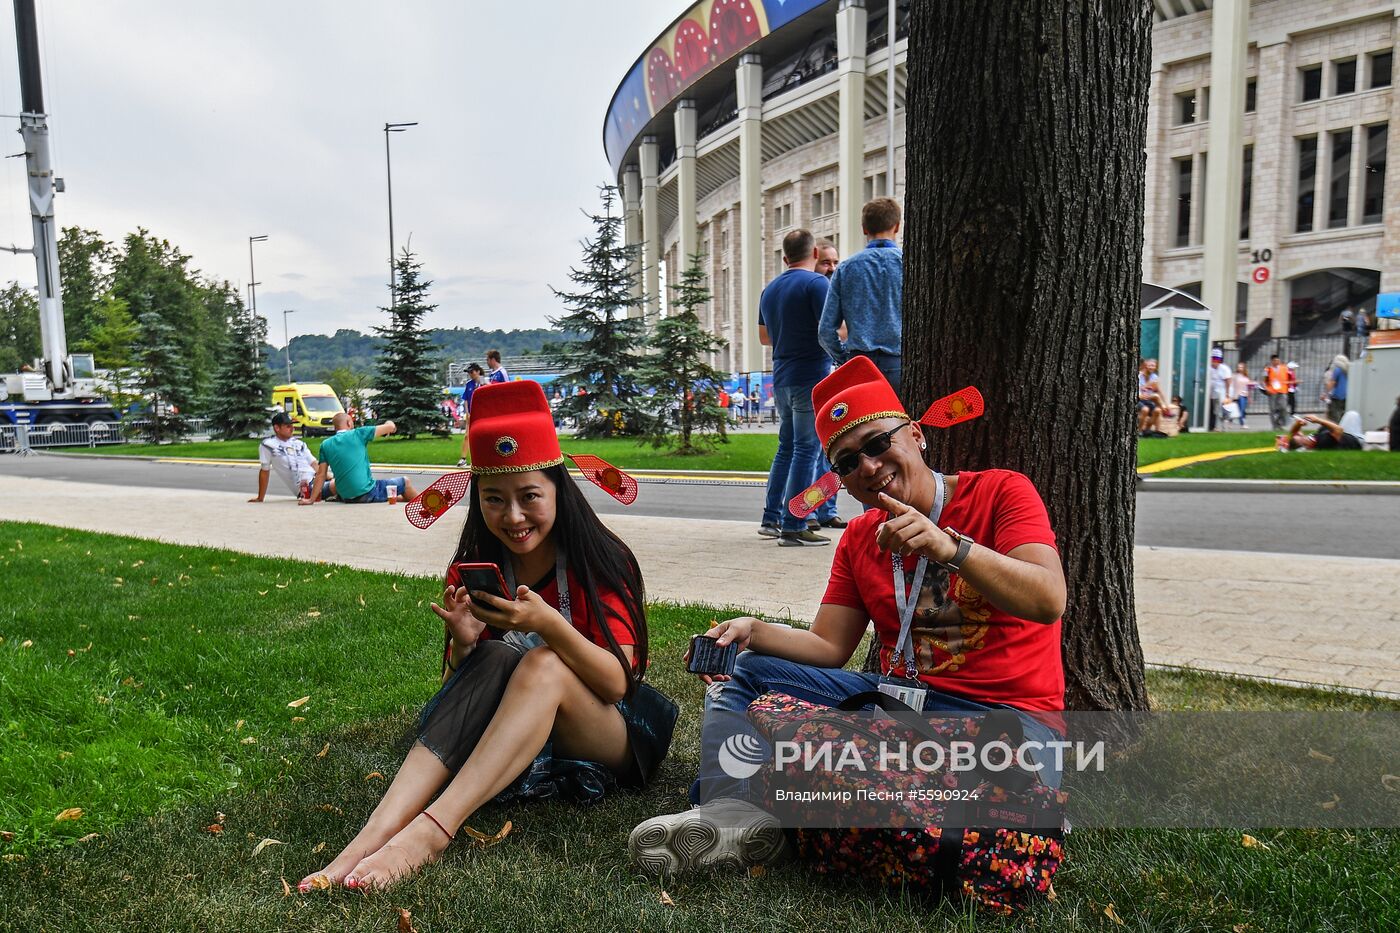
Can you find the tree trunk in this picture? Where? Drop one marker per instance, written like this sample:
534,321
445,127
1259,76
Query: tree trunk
1026,125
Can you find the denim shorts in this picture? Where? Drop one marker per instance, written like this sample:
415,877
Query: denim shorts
379,492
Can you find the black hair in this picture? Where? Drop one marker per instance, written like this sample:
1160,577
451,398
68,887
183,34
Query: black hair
600,560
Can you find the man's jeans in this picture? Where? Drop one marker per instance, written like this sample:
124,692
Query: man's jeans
796,457
890,365
1278,410
756,674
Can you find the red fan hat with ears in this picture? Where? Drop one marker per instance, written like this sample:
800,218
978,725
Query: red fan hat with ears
857,392
512,431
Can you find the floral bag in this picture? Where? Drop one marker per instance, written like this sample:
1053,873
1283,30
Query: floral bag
994,863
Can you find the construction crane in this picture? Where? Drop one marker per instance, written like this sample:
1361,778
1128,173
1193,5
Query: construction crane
59,388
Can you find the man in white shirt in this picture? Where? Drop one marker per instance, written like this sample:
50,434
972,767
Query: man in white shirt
1219,375
289,456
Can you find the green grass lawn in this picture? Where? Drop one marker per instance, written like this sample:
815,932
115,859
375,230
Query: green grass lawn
195,651
743,452
1314,464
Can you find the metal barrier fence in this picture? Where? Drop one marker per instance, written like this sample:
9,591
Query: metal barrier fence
1313,355
18,437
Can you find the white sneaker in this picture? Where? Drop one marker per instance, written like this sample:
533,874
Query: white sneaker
724,831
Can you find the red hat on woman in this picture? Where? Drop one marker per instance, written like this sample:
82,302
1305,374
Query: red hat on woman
856,393
512,431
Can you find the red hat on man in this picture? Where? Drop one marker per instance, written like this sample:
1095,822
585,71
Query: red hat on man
857,392
512,429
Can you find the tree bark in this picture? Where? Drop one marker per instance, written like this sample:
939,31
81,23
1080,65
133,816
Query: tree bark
1026,123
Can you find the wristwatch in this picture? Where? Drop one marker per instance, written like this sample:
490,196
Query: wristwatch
964,546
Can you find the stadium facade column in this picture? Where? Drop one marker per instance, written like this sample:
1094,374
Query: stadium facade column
1390,240
687,241
850,66
632,226
749,83
650,154
1224,169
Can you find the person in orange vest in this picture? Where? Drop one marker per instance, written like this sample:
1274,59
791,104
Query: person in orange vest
1276,387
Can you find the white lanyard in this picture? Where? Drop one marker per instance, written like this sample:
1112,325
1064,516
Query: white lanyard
906,602
561,582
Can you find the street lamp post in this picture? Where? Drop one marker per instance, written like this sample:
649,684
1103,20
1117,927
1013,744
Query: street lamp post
252,276
389,173
286,341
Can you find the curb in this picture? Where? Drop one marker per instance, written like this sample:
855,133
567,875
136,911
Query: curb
1307,486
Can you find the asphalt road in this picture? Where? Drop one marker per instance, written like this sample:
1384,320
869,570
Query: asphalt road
1323,523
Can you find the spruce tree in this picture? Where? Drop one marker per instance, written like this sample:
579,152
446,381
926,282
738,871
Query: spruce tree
679,373
243,383
163,378
407,368
604,360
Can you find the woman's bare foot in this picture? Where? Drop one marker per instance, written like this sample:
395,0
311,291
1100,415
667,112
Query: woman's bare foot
414,846
366,842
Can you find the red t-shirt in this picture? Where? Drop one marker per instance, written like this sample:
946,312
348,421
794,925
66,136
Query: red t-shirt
963,644
613,607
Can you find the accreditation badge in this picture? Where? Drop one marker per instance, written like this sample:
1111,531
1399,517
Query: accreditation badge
910,692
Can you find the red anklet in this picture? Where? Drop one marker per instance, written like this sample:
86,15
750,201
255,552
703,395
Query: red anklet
438,825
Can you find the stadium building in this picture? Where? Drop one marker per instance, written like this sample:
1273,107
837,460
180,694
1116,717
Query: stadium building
748,118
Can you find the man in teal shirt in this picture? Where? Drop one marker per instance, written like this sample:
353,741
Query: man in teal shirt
347,456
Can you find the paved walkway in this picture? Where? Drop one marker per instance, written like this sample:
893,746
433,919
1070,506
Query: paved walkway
1288,617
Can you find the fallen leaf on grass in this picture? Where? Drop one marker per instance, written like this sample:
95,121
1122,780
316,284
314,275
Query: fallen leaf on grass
1112,914
405,918
218,817
262,592
319,882
297,704
757,871
313,614
298,719
238,726
12,857
1249,842
88,838
362,599
283,586
214,829
329,808
6,836
325,748
72,813
1319,756
483,840
286,888
72,653
374,775
257,849
320,847
1330,804
250,740
27,643
395,586
666,900
1391,782
1241,927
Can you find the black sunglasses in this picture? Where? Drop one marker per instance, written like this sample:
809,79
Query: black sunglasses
849,462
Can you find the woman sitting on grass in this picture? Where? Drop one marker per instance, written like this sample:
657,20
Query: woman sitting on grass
544,688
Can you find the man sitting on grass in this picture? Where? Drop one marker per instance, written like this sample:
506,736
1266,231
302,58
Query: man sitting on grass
1348,435
981,629
288,456
346,454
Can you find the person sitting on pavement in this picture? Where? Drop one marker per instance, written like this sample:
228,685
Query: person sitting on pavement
1394,428
1150,401
1183,416
543,693
1330,435
346,455
981,631
288,456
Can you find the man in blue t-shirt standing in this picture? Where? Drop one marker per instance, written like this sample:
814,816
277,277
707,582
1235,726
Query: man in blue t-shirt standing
867,295
788,314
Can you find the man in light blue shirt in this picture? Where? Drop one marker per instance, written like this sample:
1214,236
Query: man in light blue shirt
867,295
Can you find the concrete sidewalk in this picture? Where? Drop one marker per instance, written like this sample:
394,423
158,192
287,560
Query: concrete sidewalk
1324,620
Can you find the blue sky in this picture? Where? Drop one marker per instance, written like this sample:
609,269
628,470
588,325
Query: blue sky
211,122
